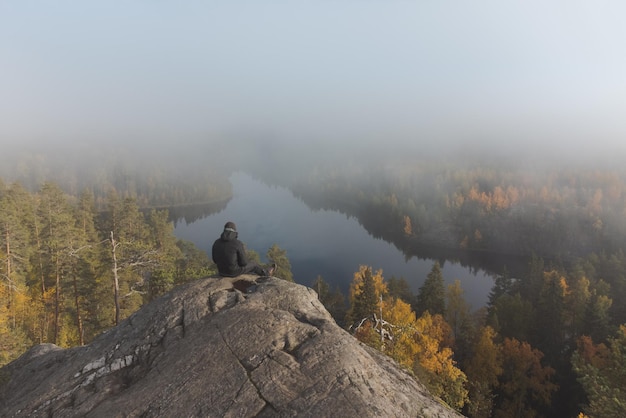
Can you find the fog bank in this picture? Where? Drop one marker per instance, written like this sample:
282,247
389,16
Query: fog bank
536,79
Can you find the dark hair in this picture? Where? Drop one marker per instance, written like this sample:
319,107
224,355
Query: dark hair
230,225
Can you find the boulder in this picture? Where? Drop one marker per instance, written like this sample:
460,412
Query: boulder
218,347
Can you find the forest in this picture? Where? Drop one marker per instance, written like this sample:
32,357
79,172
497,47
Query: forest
555,213
550,341
70,272
155,177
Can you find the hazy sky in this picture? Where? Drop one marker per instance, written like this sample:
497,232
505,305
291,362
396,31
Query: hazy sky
369,70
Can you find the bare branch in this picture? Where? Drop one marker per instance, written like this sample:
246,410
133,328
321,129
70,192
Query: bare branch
74,252
133,291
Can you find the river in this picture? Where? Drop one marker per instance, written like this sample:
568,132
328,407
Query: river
319,242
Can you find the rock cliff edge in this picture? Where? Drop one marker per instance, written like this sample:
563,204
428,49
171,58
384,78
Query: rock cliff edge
217,347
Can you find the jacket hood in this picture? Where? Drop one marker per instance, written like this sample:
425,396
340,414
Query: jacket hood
228,235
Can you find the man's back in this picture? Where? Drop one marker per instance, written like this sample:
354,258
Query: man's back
228,253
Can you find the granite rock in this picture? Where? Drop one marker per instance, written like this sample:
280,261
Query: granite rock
218,347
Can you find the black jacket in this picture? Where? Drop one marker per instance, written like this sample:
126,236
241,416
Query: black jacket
229,255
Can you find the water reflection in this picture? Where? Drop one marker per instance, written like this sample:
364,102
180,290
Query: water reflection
318,242
192,213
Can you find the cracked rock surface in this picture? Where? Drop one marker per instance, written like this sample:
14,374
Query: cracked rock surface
217,347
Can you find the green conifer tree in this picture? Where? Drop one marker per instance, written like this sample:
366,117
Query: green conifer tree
399,288
602,372
283,267
59,241
365,303
431,296
333,301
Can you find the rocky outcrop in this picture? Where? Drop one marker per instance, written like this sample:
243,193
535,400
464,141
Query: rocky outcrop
217,347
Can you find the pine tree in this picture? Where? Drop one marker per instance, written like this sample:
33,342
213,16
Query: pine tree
550,308
577,301
193,263
597,321
132,256
512,316
364,296
163,277
431,296
333,301
321,287
15,249
458,316
87,286
283,267
530,285
15,308
366,303
503,285
58,236
399,288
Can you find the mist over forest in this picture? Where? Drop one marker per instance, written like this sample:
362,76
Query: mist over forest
285,157
147,85
548,225
538,200
484,132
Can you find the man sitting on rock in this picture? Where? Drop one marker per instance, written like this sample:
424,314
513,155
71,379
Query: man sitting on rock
230,256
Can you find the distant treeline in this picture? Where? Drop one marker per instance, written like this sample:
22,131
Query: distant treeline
154,177
556,214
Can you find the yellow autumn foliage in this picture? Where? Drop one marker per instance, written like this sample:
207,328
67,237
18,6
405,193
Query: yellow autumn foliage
434,361
483,370
420,344
403,348
356,287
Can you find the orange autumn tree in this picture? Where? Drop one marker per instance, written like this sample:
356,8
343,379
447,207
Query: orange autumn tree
525,384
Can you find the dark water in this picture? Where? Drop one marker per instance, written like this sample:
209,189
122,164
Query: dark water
318,242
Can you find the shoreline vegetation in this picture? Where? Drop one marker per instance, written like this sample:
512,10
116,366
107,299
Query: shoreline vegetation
77,261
